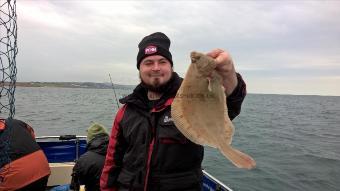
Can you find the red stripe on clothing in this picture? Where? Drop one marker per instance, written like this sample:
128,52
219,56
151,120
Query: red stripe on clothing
148,164
109,160
166,104
171,141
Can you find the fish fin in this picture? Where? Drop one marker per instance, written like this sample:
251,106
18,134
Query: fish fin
239,159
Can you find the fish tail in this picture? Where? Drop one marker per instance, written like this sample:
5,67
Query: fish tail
239,159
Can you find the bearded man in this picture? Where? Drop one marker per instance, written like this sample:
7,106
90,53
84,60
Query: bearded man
146,151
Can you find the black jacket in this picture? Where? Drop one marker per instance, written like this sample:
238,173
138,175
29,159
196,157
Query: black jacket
88,168
22,162
147,151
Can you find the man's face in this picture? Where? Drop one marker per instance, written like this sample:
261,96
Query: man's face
155,71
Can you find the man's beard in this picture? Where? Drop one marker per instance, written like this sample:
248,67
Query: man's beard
155,87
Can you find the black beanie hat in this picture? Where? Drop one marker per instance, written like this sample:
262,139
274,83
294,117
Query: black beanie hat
155,44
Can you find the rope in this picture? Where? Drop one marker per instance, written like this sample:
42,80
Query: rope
8,72
8,52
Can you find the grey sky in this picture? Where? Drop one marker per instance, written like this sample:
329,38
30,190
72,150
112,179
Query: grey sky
289,47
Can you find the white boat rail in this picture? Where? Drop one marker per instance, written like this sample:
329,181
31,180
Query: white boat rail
219,185
60,136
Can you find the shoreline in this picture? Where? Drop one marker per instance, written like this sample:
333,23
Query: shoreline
91,85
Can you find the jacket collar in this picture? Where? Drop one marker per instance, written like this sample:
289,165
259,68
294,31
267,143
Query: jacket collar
98,144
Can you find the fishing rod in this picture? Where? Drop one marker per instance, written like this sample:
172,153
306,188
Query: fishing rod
114,91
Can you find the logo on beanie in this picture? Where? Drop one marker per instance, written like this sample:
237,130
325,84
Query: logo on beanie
150,50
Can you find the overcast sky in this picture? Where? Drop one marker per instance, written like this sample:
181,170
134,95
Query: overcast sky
286,47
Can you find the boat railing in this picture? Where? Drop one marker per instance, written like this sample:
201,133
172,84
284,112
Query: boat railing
211,183
62,148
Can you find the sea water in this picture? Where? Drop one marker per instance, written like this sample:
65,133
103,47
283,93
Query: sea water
295,140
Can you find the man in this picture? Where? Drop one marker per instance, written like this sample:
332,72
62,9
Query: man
88,168
23,165
146,151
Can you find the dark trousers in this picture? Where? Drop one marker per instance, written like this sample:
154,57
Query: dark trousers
39,185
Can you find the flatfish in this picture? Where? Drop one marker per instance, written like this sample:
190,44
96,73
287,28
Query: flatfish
199,110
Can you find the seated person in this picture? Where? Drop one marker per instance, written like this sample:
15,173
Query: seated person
88,168
23,165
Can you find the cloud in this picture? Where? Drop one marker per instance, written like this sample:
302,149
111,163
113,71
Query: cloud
85,40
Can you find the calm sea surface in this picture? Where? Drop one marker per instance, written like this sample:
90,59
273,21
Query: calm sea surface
295,140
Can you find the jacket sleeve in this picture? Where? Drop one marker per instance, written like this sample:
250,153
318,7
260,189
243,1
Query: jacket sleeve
235,99
114,155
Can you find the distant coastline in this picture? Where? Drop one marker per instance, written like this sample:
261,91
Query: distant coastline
91,85
107,85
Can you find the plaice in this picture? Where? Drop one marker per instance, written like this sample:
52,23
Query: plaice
199,110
